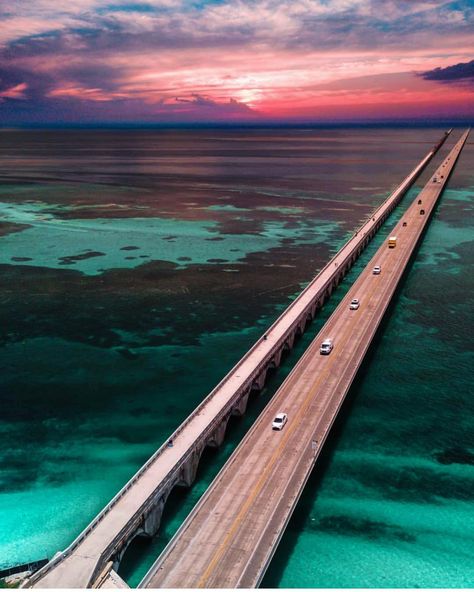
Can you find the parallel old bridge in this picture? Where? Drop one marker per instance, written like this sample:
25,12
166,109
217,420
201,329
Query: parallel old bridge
137,508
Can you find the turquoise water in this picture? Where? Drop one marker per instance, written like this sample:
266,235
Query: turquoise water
93,246
103,359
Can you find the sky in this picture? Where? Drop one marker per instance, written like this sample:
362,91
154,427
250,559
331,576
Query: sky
175,61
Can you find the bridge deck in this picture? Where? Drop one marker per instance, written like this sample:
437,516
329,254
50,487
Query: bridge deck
229,538
80,563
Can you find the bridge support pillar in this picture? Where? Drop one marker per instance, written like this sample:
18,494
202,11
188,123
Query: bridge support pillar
152,522
241,406
189,470
277,359
290,341
219,433
259,382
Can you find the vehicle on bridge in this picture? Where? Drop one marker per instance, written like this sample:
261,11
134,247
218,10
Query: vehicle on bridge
392,242
279,421
377,270
354,305
326,347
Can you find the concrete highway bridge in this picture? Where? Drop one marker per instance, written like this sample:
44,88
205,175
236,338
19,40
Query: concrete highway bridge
137,508
229,538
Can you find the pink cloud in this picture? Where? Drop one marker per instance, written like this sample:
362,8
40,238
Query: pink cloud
71,91
14,92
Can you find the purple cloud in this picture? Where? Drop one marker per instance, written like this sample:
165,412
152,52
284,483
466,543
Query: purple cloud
457,74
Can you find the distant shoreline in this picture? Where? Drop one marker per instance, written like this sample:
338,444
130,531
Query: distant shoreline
244,125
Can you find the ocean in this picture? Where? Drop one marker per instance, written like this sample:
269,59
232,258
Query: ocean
137,266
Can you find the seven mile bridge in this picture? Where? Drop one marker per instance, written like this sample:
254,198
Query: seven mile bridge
229,538
93,556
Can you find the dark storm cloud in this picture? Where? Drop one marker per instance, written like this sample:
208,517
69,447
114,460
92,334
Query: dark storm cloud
75,110
196,99
459,73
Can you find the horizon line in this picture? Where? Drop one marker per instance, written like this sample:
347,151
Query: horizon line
247,124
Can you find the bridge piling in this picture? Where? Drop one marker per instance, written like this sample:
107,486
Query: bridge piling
241,406
219,434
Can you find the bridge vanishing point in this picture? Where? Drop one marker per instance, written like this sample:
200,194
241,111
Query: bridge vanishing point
138,506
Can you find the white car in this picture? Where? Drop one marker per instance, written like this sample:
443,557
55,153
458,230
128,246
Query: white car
326,347
377,270
354,305
279,421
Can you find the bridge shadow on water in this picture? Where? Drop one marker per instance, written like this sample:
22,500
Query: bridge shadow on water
302,513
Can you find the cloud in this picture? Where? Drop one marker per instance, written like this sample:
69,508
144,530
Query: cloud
459,73
14,92
234,58
72,91
229,107
280,23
